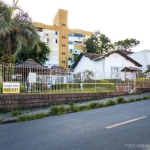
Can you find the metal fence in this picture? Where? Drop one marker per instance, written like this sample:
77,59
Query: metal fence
40,79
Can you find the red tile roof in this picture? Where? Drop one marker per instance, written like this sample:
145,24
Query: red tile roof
130,69
94,56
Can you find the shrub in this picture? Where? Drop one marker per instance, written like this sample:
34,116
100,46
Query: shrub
16,113
1,87
131,100
71,104
121,100
146,97
31,117
57,110
138,99
59,86
82,107
101,105
110,103
75,109
61,110
93,105
54,110
39,115
22,89
88,107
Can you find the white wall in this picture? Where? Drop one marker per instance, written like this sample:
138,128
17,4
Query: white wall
102,67
143,57
116,60
84,64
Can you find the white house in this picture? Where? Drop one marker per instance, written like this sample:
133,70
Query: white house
107,66
143,57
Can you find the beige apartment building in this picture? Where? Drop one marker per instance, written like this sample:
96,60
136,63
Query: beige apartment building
63,42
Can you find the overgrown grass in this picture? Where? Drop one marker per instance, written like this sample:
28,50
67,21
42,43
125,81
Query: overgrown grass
110,103
59,110
131,100
146,97
121,100
16,112
31,117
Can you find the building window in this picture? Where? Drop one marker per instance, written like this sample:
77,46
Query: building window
63,53
63,24
71,34
71,42
63,45
54,40
70,58
63,62
48,40
70,50
115,71
78,35
69,66
55,32
63,37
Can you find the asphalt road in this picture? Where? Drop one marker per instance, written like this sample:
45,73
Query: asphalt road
83,130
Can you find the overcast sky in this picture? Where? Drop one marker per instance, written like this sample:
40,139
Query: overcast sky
117,19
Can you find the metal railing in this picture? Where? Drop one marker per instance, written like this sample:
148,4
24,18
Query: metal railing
40,79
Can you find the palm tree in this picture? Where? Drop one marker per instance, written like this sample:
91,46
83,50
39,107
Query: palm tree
16,29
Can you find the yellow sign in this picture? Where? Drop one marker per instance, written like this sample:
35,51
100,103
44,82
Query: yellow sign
10,90
9,87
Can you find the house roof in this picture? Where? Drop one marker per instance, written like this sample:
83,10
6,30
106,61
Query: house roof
130,69
40,69
93,56
30,63
125,55
89,55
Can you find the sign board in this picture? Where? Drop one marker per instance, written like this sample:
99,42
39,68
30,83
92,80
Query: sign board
32,77
9,87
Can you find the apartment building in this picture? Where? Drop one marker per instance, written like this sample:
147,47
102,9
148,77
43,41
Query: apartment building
63,42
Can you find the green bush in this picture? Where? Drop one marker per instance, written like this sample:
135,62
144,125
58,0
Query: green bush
82,107
59,86
94,104
146,97
101,105
39,115
110,103
54,110
75,109
31,117
138,99
57,110
1,87
85,107
121,100
61,110
131,100
16,113
22,89
143,82
71,104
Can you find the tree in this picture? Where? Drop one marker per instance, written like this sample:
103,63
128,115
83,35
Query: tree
16,29
126,44
75,56
87,75
98,43
39,56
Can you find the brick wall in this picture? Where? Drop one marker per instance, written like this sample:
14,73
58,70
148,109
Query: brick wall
12,101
